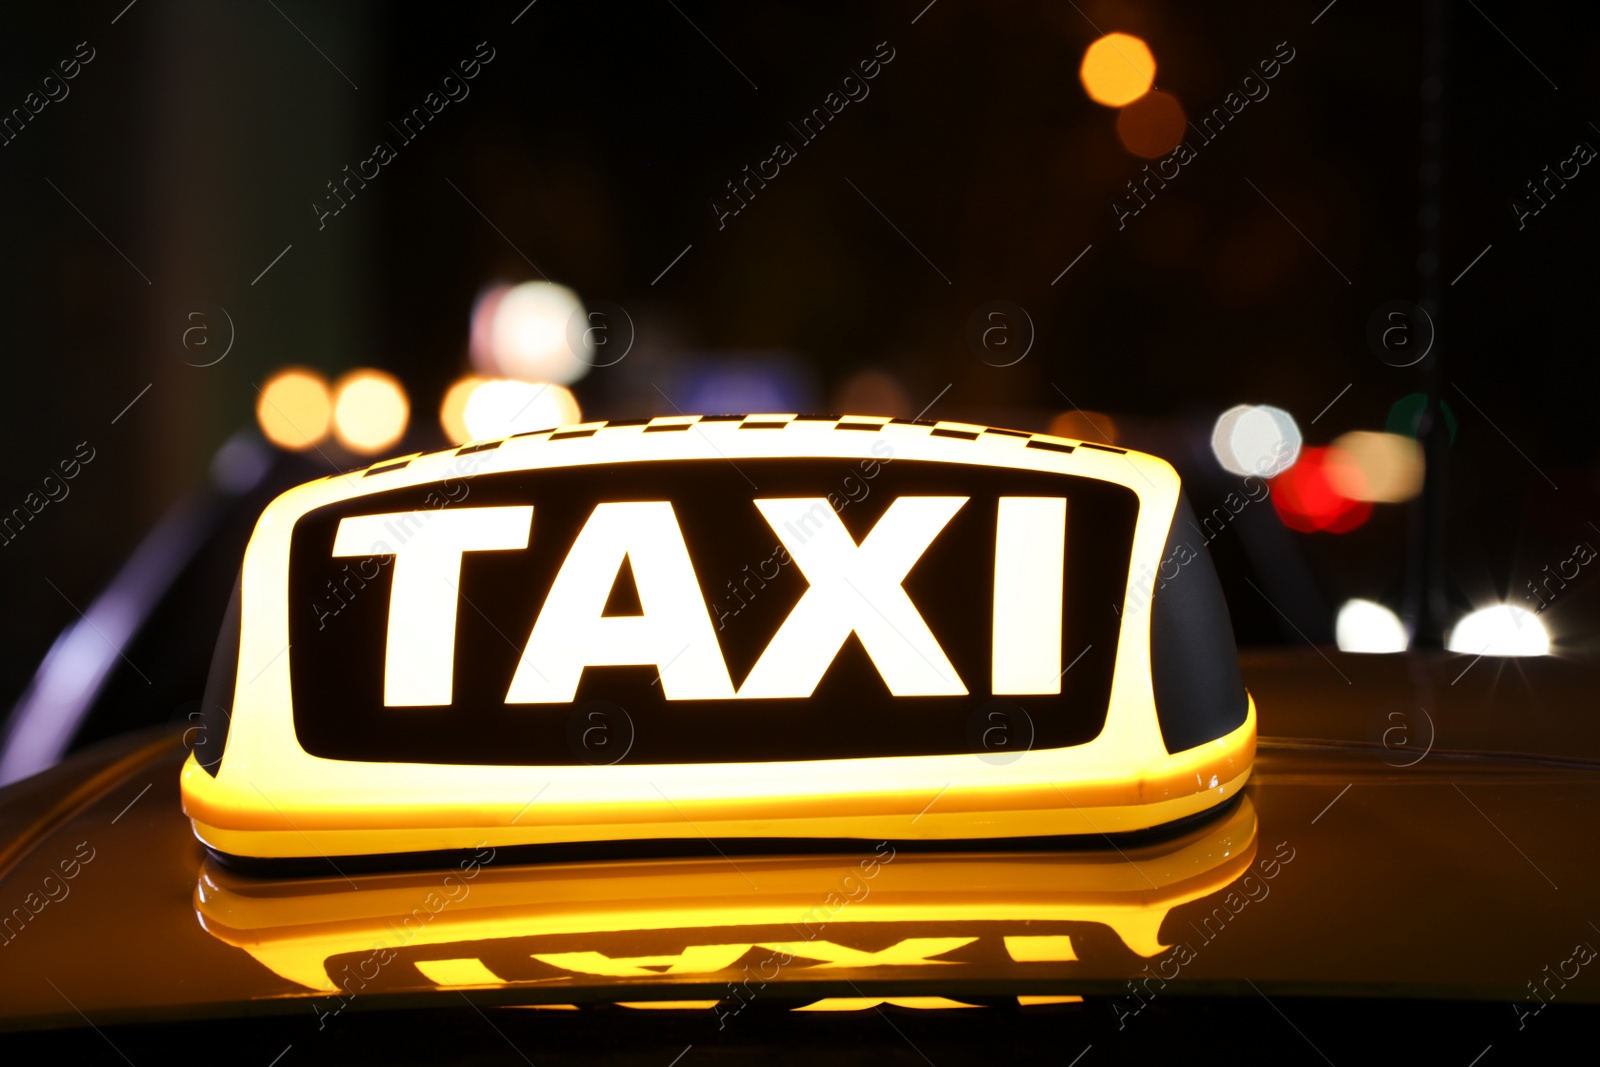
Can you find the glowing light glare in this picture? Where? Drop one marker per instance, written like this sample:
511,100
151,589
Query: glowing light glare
1152,125
498,408
1383,468
453,409
293,408
522,332
1367,626
1501,630
1117,69
1256,439
370,411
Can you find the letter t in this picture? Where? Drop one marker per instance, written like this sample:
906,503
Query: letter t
419,665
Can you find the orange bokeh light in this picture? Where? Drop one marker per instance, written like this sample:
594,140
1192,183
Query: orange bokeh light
1383,468
453,410
1117,69
370,411
1078,425
294,409
1152,125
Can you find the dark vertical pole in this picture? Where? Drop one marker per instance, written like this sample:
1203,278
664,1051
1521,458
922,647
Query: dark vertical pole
1425,604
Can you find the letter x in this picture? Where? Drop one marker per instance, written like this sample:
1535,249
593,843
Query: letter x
855,588
911,952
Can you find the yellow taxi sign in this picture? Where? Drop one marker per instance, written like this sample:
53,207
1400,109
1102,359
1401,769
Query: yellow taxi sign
763,626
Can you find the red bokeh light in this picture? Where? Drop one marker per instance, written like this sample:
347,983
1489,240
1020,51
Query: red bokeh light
1306,500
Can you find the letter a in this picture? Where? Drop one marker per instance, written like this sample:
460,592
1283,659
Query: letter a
673,634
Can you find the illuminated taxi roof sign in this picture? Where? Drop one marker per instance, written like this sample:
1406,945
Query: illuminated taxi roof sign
737,627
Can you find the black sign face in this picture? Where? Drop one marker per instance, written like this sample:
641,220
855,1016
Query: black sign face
709,611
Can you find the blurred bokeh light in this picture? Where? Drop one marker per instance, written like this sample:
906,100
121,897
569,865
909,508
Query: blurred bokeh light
1117,69
501,407
1306,499
529,331
872,392
743,383
1367,626
1080,425
1382,468
370,411
1152,125
1256,439
1405,416
453,409
294,409
1501,630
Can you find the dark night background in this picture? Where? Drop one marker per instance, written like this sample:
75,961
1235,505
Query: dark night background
596,141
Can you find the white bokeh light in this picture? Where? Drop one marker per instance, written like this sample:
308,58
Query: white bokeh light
1367,626
1501,630
525,331
500,408
1256,439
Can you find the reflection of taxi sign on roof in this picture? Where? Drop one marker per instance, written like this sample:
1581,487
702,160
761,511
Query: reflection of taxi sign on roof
758,627
578,931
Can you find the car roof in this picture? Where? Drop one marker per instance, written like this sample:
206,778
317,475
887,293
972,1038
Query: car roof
1360,862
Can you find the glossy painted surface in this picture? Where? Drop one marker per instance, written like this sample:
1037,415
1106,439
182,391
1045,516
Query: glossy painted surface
1351,867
